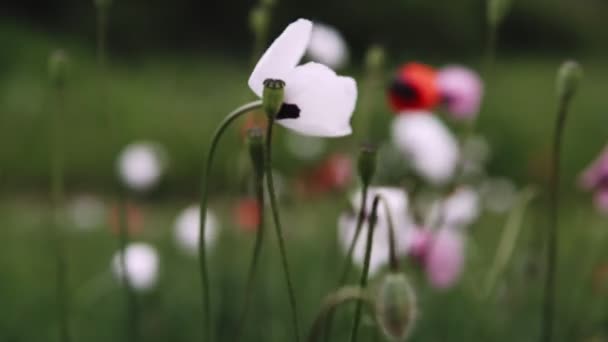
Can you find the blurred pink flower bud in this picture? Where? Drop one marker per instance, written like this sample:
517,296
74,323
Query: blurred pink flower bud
596,175
601,200
461,90
445,258
421,239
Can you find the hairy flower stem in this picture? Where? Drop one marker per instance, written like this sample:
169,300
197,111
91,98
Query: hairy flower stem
257,248
364,275
331,303
123,242
202,248
553,234
58,199
349,256
279,228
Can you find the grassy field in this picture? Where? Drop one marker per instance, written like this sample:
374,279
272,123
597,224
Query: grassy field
178,101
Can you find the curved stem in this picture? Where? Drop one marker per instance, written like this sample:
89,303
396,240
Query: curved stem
206,303
259,190
329,305
392,254
368,252
553,241
279,228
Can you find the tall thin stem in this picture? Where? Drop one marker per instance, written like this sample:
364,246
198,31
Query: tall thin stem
206,300
102,23
392,252
279,228
123,242
553,240
259,191
364,275
57,198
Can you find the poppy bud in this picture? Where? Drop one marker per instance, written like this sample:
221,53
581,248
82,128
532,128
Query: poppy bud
258,21
496,11
272,97
255,142
568,78
396,307
374,58
366,164
58,67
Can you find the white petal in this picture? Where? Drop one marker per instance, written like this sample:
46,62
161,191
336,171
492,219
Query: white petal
187,229
326,101
327,46
140,165
141,261
428,145
282,56
461,208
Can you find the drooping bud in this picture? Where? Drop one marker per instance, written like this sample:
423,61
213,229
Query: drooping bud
258,21
568,79
272,97
496,11
255,142
103,4
58,68
374,58
396,306
366,164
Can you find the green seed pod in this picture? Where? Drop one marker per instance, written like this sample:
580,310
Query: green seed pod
58,68
272,97
374,58
258,21
568,79
366,164
496,11
255,142
396,307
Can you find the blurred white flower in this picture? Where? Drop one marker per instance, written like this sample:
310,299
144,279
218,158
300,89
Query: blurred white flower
458,210
499,194
142,264
317,102
87,212
427,144
304,147
186,229
327,46
398,205
140,165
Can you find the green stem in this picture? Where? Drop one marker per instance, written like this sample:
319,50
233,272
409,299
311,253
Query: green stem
123,241
206,300
553,238
331,303
279,228
392,254
57,198
349,256
259,190
364,275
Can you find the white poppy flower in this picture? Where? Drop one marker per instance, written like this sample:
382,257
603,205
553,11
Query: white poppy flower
186,229
428,145
317,102
458,210
140,165
87,212
327,46
141,261
398,205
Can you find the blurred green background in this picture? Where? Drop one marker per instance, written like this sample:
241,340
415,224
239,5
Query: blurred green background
175,68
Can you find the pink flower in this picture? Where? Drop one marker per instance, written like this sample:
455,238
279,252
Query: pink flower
601,201
420,243
461,90
596,175
445,259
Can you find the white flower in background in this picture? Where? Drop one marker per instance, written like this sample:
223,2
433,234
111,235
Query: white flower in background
427,144
142,263
458,210
87,212
327,46
140,165
398,205
499,194
304,147
186,229
317,102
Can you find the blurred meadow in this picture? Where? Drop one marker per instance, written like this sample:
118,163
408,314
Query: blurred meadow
172,72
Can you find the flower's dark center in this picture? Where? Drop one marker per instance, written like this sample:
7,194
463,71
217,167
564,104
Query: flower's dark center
274,84
288,111
403,90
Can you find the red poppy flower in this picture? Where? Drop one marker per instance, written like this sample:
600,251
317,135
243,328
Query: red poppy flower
414,88
134,219
247,214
